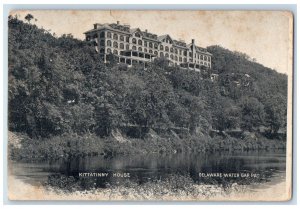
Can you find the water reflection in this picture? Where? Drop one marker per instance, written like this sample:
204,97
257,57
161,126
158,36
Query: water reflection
270,166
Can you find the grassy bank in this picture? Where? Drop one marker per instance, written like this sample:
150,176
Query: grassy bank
73,145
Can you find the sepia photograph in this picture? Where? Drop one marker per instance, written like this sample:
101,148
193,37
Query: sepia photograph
150,105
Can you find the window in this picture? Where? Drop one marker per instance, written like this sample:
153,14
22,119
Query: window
161,47
115,36
102,51
145,50
155,46
134,41
108,34
150,51
108,51
201,57
145,43
208,58
127,39
121,46
180,52
185,60
176,58
140,49
102,43
161,54
102,34
205,58
140,42
176,51
166,49
171,56
133,47
108,43
190,54
95,35
167,55
156,53
137,35
150,45
180,59
172,50
184,53
115,44
127,46
115,52
122,38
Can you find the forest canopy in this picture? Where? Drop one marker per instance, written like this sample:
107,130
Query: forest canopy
59,85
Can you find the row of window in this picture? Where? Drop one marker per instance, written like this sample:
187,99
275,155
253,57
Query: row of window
172,57
115,44
180,59
146,44
202,57
114,36
122,46
139,42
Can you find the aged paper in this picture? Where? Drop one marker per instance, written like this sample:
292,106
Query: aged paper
150,105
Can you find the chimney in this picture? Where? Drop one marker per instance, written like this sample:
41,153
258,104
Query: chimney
118,22
146,30
193,41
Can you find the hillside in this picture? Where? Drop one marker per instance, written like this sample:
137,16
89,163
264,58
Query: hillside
57,85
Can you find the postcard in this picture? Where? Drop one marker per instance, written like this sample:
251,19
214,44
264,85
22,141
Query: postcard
150,105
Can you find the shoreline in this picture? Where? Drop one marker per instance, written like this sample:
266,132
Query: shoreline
21,147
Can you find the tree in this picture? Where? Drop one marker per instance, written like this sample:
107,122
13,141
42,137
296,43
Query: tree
252,113
29,17
112,60
225,115
276,109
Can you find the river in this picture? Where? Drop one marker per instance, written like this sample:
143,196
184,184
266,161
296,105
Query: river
252,167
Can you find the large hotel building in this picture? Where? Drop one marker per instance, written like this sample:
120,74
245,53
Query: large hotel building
132,46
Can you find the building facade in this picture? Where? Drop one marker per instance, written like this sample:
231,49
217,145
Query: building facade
132,46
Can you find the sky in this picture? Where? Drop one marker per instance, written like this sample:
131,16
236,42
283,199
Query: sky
263,35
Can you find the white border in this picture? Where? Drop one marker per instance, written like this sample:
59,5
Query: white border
3,80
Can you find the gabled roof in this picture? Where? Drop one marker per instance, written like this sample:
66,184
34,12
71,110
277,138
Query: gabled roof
160,38
90,31
119,27
202,50
133,30
150,36
179,43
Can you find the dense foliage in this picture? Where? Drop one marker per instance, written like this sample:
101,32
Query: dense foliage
58,85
